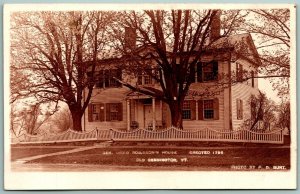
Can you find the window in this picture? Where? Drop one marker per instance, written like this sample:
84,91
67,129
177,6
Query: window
144,79
110,77
140,80
186,110
207,71
96,112
239,72
105,112
239,109
100,79
208,109
105,78
147,79
114,113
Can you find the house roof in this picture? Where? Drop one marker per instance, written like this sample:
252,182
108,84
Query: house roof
155,91
241,45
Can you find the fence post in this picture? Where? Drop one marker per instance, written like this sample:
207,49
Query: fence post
282,136
111,135
97,135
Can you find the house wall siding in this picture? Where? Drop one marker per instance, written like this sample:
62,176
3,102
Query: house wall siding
242,91
210,124
109,95
117,95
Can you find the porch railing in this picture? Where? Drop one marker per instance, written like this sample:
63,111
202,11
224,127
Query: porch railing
169,134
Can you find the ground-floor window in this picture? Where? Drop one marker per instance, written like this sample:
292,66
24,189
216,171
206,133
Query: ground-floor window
105,112
208,109
239,109
186,110
114,112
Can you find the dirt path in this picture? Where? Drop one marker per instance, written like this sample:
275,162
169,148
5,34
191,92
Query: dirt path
26,159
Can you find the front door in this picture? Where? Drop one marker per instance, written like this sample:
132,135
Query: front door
147,115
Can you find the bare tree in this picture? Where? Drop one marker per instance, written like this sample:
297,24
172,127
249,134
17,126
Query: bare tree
51,49
166,45
30,117
262,109
284,118
62,120
272,28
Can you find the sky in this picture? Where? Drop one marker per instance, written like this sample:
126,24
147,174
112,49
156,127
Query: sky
265,86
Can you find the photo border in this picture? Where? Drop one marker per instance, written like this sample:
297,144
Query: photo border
148,180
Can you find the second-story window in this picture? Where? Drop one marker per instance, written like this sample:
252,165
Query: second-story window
239,72
144,79
207,71
147,79
106,78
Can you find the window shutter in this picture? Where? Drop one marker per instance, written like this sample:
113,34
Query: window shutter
100,79
241,102
252,79
215,70
120,111
107,111
200,109
192,73
237,109
199,72
102,112
193,109
90,113
237,71
119,76
216,108
241,72
107,77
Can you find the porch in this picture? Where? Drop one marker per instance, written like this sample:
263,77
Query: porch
144,112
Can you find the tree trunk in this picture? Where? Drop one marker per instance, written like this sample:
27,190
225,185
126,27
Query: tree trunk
76,118
176,114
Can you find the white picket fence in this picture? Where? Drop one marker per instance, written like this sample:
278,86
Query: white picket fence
169,134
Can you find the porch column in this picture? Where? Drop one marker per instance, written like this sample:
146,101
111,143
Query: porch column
153,112
128,115
197,116
161,110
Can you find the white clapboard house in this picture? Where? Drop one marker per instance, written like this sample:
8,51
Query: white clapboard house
114,106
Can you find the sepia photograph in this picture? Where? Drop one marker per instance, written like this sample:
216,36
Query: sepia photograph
150,96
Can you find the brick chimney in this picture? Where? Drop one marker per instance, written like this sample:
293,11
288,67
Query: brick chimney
215,27
130,38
